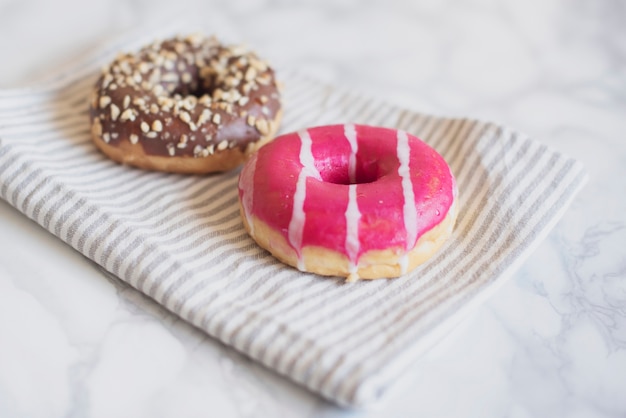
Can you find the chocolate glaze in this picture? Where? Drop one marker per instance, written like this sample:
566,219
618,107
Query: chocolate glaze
186,75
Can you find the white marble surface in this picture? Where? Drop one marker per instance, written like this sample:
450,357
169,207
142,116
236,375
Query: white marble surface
550,343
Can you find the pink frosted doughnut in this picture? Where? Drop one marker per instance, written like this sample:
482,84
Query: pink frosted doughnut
348,200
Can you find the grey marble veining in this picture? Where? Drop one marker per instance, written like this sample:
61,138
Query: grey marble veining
551,342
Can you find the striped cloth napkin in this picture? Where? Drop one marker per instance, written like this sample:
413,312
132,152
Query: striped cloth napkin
180,239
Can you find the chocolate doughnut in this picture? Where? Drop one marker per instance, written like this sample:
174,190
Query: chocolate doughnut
185,105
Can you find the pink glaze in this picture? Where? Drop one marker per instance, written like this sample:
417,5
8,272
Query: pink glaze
348,188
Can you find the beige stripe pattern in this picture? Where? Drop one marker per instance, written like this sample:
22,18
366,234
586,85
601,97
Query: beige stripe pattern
180,239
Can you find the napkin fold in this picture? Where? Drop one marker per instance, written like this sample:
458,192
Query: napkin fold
180,239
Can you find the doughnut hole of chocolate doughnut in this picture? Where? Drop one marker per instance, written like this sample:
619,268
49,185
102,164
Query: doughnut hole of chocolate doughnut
185,105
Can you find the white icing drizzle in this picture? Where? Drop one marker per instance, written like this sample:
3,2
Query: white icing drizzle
350,133
298,217
404,263
409,209
247,199
352,229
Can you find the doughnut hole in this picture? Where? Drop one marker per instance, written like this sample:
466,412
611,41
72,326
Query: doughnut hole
336,170
202,77
193,81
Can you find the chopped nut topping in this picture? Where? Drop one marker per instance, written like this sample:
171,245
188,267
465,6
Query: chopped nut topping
170,78
204,116
144,67
205,100
106,137
217,118
262,126
190,102
222,145
157,126
133,139
264,79
251,120
179,48
128,114
145,128
169,64
251,74
185,117
107,80
194,39
232,81
259,65
157,90
104,101
126,101
165,101
224,106
151,135
125,67
138,101
155,76
115,112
